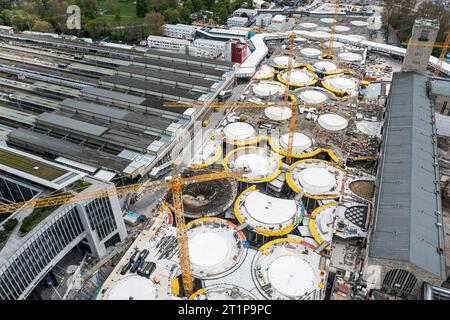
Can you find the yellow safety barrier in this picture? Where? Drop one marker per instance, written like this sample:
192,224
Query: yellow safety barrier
312,82
306,155
188,225
312,227
266,233
266,179
197,293
335,91
246,142
268,77
271,243
175,286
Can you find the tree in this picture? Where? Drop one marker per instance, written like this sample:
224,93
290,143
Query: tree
158,5
172,3
117,16
111,4
171,15
141,8
189,5
89,8
185,14
5,5
97,28
42,26
56,11
10,224
154,21
198,5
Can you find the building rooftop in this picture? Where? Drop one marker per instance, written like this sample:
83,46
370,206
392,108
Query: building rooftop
440,87
408,201
36,169
427,23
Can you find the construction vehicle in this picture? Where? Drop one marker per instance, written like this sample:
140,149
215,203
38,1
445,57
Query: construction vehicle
445,46
175,183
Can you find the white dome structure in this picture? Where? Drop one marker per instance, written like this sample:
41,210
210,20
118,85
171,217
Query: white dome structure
350,56
267,89
288,269
336,44
332,122
341,84
342,29
308,25
320,34
317,179
326,29
359,23
239,132
215,247
310,52
133,288
266,215
283,61
327,20
262,165
325,66
278,113
300,143
312,96
265,72
299,77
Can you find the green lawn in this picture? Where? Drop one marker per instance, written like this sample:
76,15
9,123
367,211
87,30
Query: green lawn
30,166
127,12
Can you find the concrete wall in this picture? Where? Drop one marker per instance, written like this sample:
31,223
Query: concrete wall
376,269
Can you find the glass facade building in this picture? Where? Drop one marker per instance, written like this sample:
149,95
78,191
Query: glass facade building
96,221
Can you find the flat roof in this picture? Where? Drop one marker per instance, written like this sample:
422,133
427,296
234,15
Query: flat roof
56,120
114,95
124,116
148,86
35,169
441,87
42,143
178,66
189,59
407,197
30,166
157,74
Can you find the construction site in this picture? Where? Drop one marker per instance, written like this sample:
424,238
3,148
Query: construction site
278,193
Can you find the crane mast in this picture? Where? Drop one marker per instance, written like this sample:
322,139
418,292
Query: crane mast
293,119
329,54
183,247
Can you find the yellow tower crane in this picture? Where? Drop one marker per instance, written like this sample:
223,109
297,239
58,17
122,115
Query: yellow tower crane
445,46
175,183
294,107
329,54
